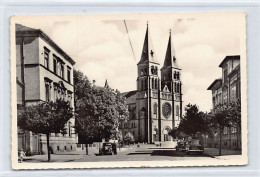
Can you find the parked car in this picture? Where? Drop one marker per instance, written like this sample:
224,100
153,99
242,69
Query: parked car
180,146
193,146
108,149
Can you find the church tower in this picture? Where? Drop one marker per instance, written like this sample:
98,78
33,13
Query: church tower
148,86
171,95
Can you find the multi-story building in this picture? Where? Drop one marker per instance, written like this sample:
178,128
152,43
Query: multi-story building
225,90
156,106
44,72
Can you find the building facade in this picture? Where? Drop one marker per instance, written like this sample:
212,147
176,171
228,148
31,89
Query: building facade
225,90
44,72
155,108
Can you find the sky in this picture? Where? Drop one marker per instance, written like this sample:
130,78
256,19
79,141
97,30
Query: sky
101,49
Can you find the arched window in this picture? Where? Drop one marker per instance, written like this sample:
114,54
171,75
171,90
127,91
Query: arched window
143,84
177,110
155,108
178,75
152,70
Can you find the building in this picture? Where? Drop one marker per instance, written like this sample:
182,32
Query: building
155,108
225,90
44,72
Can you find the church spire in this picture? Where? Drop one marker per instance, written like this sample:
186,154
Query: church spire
106,84
170,58
148,53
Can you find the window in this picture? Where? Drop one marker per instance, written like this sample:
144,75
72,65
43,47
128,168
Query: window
233,129
143,84
62,70
141,72
68,74
58,148
46,58
65,147
71,147
54,65
47,89
69,97
177,110
233,92
178,75
155,108
225,99
47,92
225,130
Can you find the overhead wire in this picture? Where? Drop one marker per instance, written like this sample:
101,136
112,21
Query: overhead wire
129,40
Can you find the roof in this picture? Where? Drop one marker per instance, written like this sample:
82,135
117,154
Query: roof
231,57
148,52
214,83
24,30
170,58
130,93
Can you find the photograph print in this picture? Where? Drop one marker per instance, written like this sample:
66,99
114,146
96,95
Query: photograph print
128,90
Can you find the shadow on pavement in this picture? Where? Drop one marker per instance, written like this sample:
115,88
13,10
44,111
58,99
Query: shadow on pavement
172,153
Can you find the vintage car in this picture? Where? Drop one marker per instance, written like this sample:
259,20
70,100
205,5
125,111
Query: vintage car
193,146
108,149
180,146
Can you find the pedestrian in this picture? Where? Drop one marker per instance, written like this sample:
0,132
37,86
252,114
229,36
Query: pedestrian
21,154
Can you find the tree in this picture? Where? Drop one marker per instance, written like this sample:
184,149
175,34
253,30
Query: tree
220,120
174,133
46,118
193,121
98,110
234,113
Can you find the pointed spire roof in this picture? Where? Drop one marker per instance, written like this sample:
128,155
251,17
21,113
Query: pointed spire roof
106,84
170,58
148,53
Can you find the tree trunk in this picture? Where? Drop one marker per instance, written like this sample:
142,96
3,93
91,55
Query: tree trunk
220,141
48,147
86,149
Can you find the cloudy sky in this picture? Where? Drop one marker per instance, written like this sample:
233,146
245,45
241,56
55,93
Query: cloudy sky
101,48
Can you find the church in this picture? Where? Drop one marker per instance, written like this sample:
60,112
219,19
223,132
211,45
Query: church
155,107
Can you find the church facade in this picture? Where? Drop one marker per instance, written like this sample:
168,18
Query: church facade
155,108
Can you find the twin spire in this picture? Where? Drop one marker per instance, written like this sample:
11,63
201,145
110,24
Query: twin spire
170,58
149,55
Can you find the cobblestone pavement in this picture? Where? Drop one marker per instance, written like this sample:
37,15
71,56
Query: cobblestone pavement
133,153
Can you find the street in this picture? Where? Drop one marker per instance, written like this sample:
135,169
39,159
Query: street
133,153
